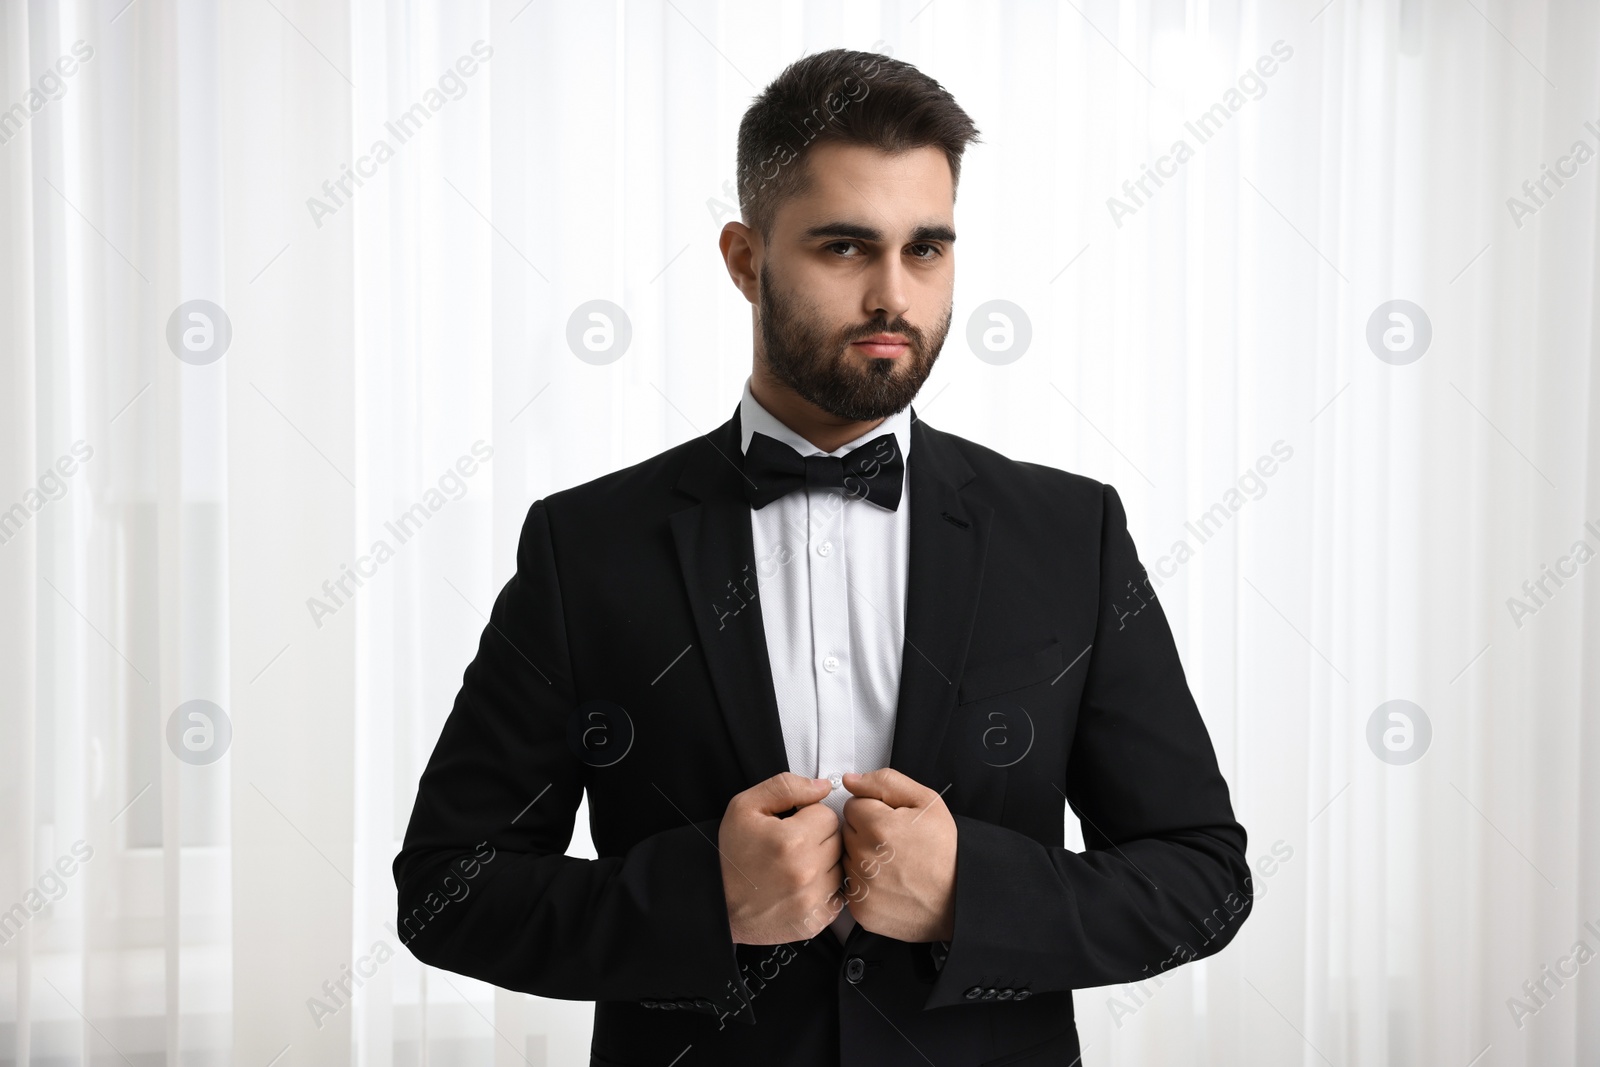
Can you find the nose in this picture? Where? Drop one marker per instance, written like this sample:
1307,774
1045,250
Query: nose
887,294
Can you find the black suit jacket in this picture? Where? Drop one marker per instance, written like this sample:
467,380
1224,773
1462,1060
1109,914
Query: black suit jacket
627,657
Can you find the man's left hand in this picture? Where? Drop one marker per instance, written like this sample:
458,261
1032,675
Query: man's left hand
900,857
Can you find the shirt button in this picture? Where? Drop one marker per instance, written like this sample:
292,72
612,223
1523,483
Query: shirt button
836,780
855,969
830,663
824,548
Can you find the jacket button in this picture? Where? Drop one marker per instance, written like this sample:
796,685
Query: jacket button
975,992
989,994
855,969
704,1004
686,1004
1005,994
648,1003
1021,994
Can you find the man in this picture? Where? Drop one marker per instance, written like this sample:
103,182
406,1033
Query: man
828,676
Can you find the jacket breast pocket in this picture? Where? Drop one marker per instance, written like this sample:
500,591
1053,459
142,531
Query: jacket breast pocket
980,681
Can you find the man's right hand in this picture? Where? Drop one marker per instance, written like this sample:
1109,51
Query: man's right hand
782,876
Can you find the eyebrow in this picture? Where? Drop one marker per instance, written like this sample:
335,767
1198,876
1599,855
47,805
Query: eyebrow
855,231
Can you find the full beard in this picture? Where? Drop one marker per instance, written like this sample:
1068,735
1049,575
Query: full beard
820,368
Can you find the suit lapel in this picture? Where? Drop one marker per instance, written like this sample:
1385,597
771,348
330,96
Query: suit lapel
949,537
716,552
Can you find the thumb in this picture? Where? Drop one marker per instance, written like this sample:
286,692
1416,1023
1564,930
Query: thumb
788,790
888,785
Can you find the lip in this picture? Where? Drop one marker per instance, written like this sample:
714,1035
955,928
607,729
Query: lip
883,345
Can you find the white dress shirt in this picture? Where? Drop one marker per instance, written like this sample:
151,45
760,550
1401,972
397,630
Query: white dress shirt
831,578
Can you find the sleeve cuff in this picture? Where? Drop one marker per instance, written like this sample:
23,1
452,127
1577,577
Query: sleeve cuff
994,954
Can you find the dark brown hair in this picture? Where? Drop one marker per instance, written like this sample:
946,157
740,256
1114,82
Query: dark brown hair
842,96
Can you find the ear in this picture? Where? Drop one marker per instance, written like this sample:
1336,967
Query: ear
741,254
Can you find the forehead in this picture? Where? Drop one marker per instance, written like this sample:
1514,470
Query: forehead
893,191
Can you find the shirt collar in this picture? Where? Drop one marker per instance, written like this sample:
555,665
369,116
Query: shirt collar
754,417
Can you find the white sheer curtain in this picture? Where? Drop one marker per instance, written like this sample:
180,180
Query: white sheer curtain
1333,524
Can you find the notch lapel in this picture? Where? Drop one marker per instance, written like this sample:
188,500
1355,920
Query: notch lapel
716,552
949,539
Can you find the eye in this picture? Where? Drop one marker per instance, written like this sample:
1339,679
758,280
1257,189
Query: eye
835,245
934,251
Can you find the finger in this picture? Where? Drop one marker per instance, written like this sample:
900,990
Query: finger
826,887
856,888
834,877
832,838
888,785
853,831
857,815
786,790
813,820
832,904
839,896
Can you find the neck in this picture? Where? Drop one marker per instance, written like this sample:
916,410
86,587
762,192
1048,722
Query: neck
826,431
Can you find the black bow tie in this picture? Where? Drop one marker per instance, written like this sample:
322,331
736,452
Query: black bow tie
874,470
